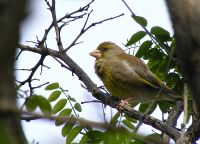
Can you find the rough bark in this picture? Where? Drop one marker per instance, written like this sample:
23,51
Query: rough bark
185,16
11,13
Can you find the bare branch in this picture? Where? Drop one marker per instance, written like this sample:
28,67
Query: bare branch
81,121
149,120
57,31
67,16
172,119
33,70
104,97
84,29
39,86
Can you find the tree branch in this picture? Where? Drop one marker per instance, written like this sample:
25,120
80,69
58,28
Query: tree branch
84,29
104,97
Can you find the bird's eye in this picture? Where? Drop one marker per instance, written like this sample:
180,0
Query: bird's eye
105,49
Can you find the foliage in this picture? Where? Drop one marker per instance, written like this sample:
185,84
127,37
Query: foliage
60,109
156,46
157,52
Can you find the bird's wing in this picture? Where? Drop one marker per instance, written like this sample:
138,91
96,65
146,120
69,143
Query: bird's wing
143,75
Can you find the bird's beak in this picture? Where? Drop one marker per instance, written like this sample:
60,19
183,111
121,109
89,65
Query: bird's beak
96,54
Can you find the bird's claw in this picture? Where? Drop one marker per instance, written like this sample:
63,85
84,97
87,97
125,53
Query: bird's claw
121,104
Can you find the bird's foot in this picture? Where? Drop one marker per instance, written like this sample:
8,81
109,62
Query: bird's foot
122,103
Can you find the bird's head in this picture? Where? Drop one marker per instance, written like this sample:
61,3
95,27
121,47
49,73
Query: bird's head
105,50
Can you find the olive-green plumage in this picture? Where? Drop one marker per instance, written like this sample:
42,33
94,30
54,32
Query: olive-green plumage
126,76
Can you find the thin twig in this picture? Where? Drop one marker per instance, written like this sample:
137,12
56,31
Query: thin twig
84,28
81,121
33,70
39,86
154,39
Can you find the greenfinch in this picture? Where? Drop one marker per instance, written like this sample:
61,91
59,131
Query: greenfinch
127,77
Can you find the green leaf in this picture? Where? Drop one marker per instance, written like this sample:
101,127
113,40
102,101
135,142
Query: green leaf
173,43
95,136
153,138
147,107
159,67
165,106
54,95
31,103
64,112
172,79
178,88
114,119
52,86
77,106
160,33
130,119
84,139
136,37
73,133
128,124
154,54
71,98
163,66
116,136
43,104
144,48
140,20
59,106
67,127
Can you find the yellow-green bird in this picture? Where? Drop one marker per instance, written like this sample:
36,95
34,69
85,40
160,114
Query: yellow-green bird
127,77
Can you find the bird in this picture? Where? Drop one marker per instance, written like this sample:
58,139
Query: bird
127,77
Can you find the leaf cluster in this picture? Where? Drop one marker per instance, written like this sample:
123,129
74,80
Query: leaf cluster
157,47
61,109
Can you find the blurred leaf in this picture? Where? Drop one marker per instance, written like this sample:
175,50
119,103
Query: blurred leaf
146,45
136,37
163,65
114,119
137,142
172,79
71,98
147,108
161,69
73,133
153,65
116,136
153,138
165,106
173,43
95,136
154,54
130,119
160,33
43,104
140,20
84,139
77,106
54,95
59,106
143,107
150,139
178,88
190,112
64,112
31,103
133,104
128,124
67,128
52,86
